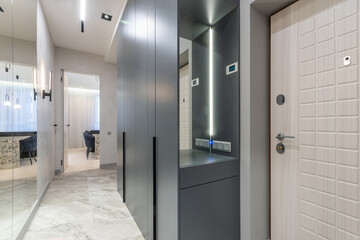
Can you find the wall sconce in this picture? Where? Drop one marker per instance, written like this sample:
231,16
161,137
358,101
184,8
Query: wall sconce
17,104
7,102
34,83
45,94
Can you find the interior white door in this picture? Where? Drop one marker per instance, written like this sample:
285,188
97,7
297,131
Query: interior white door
314,64
66,122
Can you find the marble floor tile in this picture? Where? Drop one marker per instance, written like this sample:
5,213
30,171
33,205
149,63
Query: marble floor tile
83,205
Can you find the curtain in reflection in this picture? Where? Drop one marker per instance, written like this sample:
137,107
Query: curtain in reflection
84,114
18,110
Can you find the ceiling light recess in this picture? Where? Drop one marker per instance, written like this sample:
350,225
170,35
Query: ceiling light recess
106,17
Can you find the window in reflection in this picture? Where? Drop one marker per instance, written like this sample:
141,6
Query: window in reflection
17,105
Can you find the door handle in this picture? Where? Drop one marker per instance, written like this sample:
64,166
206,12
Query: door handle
281,136
124,164
154,190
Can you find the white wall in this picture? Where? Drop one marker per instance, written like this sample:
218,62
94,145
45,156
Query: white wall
185,108
80,62
46,133
24,52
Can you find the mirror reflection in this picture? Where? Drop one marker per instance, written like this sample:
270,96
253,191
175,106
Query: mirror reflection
18,115
208,81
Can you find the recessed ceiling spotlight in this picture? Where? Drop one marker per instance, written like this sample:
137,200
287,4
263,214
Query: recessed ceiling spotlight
1,10
106,17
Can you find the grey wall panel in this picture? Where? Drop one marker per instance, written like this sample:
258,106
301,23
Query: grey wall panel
167,109
200,94
226,87
206,11
211,211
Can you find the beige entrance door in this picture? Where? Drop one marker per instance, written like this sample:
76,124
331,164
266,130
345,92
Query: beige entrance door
314,64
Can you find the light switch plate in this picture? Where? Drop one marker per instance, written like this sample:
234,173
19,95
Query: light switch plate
195,82
204,143
232,68
222,146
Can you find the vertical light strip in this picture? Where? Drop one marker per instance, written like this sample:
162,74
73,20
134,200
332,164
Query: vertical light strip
82,10
211,76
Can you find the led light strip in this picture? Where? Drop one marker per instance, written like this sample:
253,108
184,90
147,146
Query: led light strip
211,60
82,14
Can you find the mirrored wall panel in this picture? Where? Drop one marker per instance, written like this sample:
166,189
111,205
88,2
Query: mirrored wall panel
18,114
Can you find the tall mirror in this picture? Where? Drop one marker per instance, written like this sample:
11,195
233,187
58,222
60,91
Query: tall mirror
25,115
6,124
18,118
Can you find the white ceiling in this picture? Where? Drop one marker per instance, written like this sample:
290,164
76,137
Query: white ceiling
83,81
63,18
19,21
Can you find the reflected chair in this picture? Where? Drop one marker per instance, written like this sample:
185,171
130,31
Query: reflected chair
29,146
89,132
89,142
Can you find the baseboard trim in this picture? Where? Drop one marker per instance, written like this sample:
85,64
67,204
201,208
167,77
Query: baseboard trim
21,234
108,165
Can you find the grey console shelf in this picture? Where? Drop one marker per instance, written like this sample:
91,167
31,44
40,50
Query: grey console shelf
198,167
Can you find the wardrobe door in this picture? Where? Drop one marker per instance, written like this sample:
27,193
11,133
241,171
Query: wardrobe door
121,93
151,120
167,128
141,110
130,142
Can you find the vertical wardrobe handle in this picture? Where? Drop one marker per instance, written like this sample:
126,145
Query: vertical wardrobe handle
154,186
124,164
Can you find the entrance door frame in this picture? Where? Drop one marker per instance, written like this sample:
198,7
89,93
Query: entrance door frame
254,116
62,124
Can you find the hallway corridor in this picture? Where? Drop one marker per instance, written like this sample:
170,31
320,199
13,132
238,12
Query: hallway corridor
83,205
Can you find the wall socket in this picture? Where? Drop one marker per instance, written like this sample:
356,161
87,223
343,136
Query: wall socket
222,146
204,143
217,145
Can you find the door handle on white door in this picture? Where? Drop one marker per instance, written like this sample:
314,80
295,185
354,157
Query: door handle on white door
281,136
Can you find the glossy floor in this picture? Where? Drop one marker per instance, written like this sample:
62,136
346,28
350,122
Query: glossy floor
16,201
77,161
83,205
